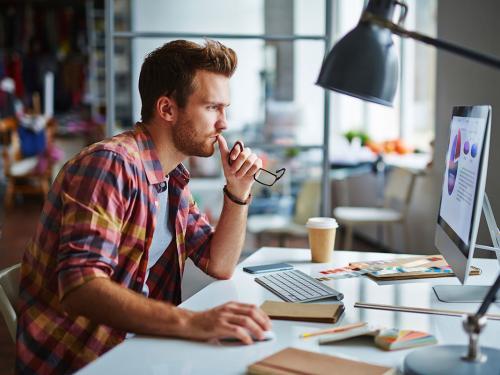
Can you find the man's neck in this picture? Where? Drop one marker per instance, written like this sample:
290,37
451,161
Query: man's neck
168,154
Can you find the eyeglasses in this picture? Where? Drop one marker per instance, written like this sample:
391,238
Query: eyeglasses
263,176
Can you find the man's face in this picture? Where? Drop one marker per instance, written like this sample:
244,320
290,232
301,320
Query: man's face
204,116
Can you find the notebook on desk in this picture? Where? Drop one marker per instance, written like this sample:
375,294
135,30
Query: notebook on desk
311,312
297,361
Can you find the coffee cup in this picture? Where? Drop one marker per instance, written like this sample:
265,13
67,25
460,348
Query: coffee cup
321,238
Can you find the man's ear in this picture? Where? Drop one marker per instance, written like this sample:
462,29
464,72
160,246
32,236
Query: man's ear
166,108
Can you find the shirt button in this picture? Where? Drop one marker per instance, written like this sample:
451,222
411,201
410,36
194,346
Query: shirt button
156,203
139,279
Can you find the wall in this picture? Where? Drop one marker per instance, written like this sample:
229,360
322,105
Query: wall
472,24
205,17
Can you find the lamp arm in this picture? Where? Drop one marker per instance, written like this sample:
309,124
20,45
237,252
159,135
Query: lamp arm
441,44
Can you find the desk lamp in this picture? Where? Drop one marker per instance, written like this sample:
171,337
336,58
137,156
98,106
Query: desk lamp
363,64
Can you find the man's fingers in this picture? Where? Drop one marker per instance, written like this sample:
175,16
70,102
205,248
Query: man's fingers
245,161
249,325
241,156
255,313
237,149
236,331
247,166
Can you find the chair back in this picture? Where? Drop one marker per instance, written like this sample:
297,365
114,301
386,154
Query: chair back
9,295
399,188
308,199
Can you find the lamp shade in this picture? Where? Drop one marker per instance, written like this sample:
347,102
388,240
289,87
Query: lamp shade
363,64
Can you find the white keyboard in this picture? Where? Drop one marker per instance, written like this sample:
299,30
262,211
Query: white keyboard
296,286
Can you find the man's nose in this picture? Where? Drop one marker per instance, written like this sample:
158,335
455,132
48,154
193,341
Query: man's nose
221,123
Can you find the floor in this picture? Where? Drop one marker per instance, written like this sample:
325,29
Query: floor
19,225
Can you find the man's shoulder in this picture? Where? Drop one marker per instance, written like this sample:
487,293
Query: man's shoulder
124,145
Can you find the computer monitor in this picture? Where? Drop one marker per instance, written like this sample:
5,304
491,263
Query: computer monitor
462,197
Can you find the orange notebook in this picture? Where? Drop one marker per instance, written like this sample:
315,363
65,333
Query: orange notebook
296,361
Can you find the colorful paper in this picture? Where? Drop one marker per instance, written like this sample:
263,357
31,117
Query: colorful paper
395,339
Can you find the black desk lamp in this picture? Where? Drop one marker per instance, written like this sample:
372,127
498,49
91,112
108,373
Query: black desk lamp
364,64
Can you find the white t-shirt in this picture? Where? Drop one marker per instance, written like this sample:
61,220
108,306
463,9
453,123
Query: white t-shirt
162,235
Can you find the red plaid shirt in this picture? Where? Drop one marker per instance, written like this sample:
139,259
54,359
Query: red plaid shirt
98,221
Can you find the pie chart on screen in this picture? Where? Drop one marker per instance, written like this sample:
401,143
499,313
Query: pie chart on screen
453,162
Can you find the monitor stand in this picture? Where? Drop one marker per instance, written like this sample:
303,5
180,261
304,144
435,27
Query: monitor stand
462,293
473,293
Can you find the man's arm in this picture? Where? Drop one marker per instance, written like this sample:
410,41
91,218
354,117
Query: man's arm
105,302
229,236
227,240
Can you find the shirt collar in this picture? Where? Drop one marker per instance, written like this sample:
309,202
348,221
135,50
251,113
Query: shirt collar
151,162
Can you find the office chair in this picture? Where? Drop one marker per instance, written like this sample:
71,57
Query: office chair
9,293
397,193
306,205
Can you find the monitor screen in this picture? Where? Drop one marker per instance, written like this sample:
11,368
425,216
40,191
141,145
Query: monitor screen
462,191
461,175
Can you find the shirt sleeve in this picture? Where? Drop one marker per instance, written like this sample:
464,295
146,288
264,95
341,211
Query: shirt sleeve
95,195
198,236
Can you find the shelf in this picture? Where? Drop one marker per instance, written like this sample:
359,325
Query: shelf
153,34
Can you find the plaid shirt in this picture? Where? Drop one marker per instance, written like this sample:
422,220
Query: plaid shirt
98,221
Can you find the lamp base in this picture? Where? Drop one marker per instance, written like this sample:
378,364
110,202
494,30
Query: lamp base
447,359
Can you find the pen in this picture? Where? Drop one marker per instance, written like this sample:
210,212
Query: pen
333,330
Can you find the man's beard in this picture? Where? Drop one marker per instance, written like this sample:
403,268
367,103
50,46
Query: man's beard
189,142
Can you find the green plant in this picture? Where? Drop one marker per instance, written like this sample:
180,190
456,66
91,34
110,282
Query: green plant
351,134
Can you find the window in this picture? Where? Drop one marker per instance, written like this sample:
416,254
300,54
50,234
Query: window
276,106
412,118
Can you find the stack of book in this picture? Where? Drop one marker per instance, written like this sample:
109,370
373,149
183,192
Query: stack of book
387,339
421,267
395,339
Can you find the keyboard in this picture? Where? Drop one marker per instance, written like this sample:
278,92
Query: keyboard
296,286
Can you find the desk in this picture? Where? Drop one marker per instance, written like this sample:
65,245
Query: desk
146,355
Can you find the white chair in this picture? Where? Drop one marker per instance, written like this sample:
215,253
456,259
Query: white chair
397,193
9,293
307,205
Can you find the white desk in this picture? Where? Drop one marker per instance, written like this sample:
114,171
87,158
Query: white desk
146,355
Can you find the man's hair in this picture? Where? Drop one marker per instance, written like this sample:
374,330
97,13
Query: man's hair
170,70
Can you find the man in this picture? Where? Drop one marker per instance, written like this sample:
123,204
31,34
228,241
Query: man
119,223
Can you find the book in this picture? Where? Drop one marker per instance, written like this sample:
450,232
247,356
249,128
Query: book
297,361
395,339
310,312
429,266
404,273
368,330
387,339
421,266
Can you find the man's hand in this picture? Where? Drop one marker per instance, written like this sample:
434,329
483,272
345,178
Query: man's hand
239,175
233,319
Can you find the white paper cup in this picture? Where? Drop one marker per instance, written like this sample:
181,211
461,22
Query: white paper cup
321,238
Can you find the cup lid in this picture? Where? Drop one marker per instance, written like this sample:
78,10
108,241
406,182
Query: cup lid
322,222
